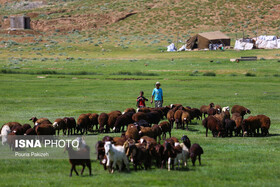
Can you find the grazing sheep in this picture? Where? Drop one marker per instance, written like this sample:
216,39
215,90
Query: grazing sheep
178,118
169,153
158,154
45,129
195,113
170,117
153,117
40,121
115,155
30,131
132,132
80,157
229,127
70,125
139,116
145,110
119,140
122,121
250,125
204,108
185,119
139,155
112,118
59,124
238,121
103,121
196,151
18,130
218,109
4,133
212,111
146,131
26,127
93,118
241,110
129,110
165,127
265,124
214,125
157,132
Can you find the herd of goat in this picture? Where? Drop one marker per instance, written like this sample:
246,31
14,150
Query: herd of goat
140,141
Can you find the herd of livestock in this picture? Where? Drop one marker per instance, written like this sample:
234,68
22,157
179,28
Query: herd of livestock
142,132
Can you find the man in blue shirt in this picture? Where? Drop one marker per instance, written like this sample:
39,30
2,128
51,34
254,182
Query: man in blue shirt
157,96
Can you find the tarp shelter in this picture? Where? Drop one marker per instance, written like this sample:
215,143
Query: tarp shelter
244,44
202,40
267,42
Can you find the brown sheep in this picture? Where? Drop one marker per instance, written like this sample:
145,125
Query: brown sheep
165,127
103,121
122,121
238,121
132,132
185,119
40,121
145,110
204,108
178,118
59,124
218,109
83,123
70,125
170,117
112,118
93,118
241,110
214,125
30,131
45,129
250,125
196,151
129,110
139,116
119,140
157,132
26,127
265,124
146,131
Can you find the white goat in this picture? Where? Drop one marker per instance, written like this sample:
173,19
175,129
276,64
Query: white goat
224,109
182,157
115,154
4,133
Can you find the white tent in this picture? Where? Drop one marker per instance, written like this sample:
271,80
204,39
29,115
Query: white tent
267,42
171,47
242,44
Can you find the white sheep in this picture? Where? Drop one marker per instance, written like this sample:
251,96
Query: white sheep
182,157
115,154
224,109
4,133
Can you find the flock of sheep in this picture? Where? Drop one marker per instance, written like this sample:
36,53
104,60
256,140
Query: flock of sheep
140,142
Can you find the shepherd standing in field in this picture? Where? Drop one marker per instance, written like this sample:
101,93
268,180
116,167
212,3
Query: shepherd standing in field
157,96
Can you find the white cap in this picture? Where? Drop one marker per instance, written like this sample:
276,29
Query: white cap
157,83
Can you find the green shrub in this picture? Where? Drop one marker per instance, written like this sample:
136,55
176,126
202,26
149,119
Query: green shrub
209,74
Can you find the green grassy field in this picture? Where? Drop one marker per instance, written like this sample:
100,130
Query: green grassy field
96,82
